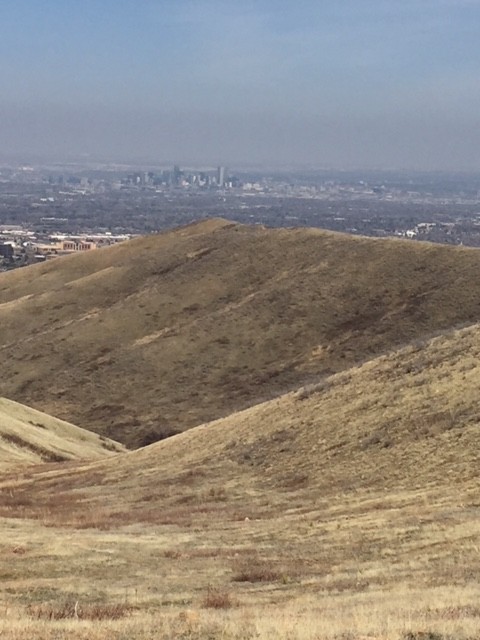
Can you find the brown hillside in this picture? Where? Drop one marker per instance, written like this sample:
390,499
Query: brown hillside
31,437
169,331
407,421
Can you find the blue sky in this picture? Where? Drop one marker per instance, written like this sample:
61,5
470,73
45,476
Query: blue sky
384,83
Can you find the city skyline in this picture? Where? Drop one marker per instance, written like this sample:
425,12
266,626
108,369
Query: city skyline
370,83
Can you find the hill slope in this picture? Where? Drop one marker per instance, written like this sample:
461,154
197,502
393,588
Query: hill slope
176,329
408,421
30,437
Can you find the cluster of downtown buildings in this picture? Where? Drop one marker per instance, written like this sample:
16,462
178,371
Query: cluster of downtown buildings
220,179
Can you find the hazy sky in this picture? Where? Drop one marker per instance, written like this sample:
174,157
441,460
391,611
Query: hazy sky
384,83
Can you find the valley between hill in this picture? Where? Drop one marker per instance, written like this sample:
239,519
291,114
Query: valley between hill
162,333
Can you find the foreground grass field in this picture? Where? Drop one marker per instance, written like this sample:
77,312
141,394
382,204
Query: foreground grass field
381,567
347,509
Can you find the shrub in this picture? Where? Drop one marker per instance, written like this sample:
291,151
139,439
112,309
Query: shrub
254,570
217,598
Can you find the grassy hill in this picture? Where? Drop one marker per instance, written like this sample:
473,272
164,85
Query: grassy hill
166,332
348,508
404,421
31,437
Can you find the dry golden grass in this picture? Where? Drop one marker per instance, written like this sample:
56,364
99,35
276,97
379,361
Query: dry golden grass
396,615
172,330
348,509
31,437
404,421
389,598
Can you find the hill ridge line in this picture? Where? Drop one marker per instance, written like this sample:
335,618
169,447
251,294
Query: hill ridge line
246,314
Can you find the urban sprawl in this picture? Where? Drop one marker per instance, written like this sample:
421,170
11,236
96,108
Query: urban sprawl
50,210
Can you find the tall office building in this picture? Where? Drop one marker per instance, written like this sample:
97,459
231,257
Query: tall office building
221,176
177,174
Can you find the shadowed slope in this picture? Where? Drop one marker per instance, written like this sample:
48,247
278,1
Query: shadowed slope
176,329
30,437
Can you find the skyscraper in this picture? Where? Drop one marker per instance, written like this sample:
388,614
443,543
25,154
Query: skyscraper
221,176
177,174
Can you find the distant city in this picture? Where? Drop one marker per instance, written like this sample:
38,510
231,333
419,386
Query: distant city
49,210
